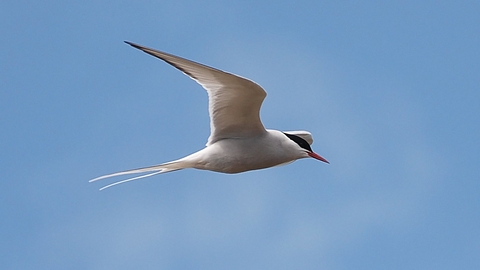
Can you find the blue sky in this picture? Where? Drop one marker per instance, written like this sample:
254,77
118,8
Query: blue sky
390,91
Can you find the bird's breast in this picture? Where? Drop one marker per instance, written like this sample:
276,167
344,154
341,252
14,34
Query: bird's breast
237,155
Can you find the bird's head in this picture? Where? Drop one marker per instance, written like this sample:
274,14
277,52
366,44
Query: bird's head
304,139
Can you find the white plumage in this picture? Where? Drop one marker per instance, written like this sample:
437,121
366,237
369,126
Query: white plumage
238,141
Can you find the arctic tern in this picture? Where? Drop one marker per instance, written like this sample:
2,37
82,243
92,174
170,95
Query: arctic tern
238,141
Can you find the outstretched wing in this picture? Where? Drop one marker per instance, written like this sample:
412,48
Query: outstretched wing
234,102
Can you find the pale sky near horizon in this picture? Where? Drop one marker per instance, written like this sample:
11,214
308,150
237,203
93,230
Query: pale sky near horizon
389,90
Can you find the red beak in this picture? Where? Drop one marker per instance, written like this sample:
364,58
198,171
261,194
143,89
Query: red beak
317,156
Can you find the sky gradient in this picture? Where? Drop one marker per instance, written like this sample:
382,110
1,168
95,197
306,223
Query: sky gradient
389,90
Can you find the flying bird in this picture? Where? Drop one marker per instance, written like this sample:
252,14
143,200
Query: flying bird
238,140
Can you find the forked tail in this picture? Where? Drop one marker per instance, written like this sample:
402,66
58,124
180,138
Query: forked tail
156,169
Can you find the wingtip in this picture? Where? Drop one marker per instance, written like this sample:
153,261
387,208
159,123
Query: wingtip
133,44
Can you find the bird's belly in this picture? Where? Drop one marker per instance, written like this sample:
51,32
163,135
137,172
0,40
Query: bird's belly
238,165
239,157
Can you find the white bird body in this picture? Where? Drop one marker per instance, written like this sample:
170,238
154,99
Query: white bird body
235,155
238,141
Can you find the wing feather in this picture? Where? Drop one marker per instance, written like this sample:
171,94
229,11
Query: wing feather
234,101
